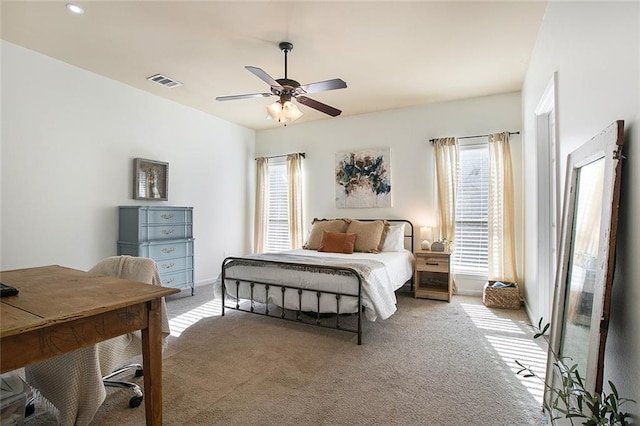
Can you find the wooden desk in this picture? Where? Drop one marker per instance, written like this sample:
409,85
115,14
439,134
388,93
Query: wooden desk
60,309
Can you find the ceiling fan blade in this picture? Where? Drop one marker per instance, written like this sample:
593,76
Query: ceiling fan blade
258,72
250,95
321,86
312,103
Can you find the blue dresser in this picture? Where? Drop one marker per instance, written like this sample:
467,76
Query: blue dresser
164,234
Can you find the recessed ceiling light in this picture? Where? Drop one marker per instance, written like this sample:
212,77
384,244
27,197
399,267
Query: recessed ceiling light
75,8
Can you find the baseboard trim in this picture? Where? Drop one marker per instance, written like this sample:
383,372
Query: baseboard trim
474,293
207,281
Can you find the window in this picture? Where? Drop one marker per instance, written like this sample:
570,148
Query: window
278,238
471,227
278,208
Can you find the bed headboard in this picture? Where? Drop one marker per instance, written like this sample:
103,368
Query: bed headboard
408,230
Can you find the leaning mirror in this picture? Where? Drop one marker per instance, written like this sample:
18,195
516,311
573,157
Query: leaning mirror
587,256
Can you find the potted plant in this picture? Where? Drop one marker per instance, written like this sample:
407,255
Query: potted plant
571,400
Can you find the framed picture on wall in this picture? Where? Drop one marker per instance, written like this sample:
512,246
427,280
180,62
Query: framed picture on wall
363,178
150,180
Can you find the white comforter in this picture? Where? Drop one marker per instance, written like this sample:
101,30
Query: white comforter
382,274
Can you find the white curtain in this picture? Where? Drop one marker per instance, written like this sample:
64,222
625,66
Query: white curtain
446,153
294,181
502,264
261,205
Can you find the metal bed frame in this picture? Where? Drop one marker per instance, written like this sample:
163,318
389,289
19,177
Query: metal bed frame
281,312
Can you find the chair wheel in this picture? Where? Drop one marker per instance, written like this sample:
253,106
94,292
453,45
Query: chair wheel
139,373
30,408
135,401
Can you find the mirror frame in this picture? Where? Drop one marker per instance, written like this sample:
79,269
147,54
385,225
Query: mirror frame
607,145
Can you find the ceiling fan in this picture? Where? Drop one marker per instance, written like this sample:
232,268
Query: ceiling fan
286,89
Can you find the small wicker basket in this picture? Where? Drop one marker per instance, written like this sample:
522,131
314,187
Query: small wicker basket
501,297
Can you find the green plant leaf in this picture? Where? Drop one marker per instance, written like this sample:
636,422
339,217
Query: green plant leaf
570,399
613,389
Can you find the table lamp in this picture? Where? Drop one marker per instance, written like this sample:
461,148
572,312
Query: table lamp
426,235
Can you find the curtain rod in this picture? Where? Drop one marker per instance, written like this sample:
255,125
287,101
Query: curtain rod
476,136
302,154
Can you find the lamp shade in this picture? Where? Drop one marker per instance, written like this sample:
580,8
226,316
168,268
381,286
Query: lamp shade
284,111
425,233
274,110
291,111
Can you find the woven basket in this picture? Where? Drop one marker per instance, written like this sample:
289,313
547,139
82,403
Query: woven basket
501,297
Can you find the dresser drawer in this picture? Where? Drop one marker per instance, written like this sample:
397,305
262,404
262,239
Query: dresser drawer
432,264
174,265
170,216
167,250
166,232
157,250
181,279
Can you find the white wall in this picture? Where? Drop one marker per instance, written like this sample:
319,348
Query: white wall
407,132
68,142
595,49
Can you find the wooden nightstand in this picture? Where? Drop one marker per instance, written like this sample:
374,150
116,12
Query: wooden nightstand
432,276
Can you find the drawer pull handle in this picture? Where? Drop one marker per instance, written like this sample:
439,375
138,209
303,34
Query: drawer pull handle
169,281
167,231
167,216
432,263
168,265
168,250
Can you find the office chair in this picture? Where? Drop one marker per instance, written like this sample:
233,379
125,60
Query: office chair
139,269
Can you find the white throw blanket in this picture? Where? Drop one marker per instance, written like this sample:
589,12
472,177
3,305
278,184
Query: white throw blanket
72,382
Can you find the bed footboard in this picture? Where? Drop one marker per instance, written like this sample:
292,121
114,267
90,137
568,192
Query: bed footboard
284,300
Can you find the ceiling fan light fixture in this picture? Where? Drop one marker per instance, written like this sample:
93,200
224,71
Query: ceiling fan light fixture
284,111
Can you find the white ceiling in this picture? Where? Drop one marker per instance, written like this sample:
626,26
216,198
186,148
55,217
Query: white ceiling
392,54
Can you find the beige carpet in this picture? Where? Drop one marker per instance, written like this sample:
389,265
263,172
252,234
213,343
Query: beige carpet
431,363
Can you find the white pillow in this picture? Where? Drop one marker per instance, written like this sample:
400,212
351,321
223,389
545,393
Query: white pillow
394,240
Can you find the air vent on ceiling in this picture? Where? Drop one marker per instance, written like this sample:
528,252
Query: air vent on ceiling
164,81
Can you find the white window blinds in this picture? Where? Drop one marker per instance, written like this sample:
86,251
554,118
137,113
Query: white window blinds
278,223
471,242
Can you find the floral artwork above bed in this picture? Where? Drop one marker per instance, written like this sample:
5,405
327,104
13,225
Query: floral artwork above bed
363,178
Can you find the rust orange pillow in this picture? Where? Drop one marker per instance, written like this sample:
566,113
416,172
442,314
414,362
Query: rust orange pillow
337,242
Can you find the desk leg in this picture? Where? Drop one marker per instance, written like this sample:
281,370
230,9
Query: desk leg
152,364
